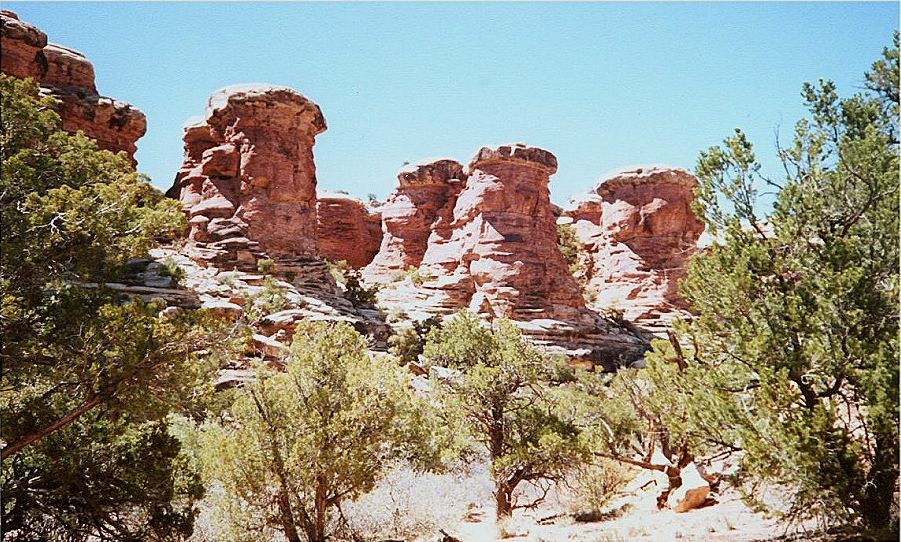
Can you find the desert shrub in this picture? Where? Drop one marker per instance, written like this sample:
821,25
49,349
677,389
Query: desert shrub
406,503
270,298
408,343
593,486
357,293
395,314
172,270
416,276
338,270
297,444
266,266
570,247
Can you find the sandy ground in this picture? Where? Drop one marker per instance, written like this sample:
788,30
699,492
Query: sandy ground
463,507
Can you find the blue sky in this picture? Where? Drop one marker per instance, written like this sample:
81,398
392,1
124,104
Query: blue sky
602,86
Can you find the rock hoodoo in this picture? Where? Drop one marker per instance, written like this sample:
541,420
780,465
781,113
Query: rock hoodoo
500,257
422,203
248,181
491,247
639,231
347,230
68,76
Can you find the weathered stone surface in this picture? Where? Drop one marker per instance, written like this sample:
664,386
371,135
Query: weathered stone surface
491,247
501,256
422,205
21,54
639,231
68,69
347,229
248,181
68,76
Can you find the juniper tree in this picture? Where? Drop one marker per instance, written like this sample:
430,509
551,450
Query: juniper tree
87,380
506,395
792,358
300,442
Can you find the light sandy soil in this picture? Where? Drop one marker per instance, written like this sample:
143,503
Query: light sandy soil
462,506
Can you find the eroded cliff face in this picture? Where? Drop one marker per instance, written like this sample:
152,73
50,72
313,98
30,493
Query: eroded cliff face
491,247
639,231
422,203
347,230
248,181
68,76
500,257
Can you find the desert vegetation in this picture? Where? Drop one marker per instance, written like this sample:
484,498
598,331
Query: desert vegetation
114,429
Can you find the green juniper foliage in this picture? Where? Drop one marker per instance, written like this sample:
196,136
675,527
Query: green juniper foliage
298,443
87,380
570,248
408,343
509,401
792,358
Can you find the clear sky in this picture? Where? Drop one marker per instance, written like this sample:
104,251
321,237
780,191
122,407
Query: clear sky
602,86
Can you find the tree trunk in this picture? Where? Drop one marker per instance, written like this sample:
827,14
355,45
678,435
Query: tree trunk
502,496
36,435
287,517
320,518
876,501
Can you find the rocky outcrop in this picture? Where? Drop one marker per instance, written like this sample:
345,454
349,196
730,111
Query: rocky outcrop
68,76
248,182
422,204
347,230
638,231
501,256
491,247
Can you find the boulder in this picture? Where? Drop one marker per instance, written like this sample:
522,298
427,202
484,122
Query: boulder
224,308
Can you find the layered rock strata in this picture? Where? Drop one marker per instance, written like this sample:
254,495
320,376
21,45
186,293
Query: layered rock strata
492,248
68,76
422,203
248,181
501,256
347,230
638,231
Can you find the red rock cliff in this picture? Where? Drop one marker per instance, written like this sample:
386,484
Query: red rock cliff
68,76
491,247
347,230
501,256
639,231
248,180
423,201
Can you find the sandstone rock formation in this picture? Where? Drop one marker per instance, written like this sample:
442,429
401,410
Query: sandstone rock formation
68,76
638,230
422,203
248,181
491,247
501,256
347,230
